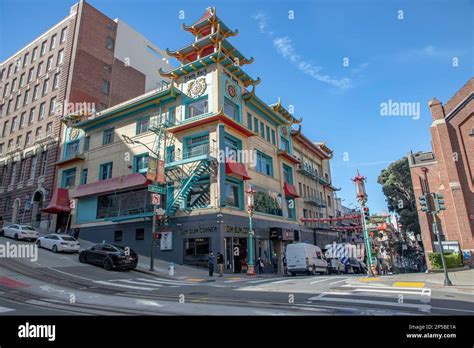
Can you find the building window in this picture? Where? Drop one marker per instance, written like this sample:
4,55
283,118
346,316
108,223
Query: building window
232,194
63,35
60,57
329,201
17,101
7,204
25,59
106,171
22,79
13,174
38,133
9,106
128,203
35,92
262,130
255,125
142,125
199,196
268,202
68,178
26,97
172,115
290,207
196,108
5,127
288,174
13,127
32,116
109,43
18,140
140,234
22,120
72,149
44,162
249,121
196,146
10,145
273,137
108,137
49,64
5,90
56,81
45,86
35,54
264,164
231,109
268,133
1,149
30,75
33,167
39,70
52,105
87,142
84,174
105,87
140,164
284,144
28,138
117,236
13,86
53,42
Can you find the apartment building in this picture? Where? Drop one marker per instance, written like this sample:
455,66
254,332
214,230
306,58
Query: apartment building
217,139
448,169
80,63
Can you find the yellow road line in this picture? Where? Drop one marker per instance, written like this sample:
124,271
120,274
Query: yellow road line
371,279
195,279
409,284
235,278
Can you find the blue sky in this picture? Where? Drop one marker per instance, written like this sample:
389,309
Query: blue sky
403,57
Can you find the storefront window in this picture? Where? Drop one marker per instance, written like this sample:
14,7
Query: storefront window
124,204
232,195
268,202
197,250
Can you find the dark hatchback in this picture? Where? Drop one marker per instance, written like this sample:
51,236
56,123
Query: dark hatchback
109,256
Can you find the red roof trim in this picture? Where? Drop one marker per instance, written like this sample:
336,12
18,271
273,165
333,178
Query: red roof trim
106,186
315,149
290,190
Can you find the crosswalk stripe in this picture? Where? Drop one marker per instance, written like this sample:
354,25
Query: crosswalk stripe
390,291
123,285
165,281
139,283
5,309
339,281
384,287
320,280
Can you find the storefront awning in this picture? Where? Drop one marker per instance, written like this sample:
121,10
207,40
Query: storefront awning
290,190
236,168
59,202
104,186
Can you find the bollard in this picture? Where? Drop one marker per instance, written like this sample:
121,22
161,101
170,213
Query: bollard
171,269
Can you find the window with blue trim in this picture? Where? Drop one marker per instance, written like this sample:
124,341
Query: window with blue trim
268,133
72,149
106,171
142,125
287,174
273,137
290,205
255,124
170,154
172,115
196,146
197,107
264,164
231,109
87,143
262,130
108,136
284,144
140,164
233,194
249,121
231,149
68,178
84,174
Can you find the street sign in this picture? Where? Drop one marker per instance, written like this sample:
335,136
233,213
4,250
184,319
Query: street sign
155,199
156,189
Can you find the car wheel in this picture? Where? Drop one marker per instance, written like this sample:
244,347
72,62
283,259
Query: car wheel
55,249
108,264
38,243
292,274
314,270
82,257
15,237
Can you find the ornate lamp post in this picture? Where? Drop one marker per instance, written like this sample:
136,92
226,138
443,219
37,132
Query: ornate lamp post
361,197
250,208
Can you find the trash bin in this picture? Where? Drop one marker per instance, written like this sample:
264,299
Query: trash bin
171,269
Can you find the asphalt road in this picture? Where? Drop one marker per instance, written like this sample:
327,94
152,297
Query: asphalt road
59,284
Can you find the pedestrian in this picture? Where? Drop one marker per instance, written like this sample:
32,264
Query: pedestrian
275,263
260,265
220,264
285,265
211,260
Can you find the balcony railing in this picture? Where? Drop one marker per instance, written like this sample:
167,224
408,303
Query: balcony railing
315,201
312,173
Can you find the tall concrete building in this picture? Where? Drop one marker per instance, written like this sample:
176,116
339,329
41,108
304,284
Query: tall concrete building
85,62
449,169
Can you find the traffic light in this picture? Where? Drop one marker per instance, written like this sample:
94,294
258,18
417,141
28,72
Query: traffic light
366,214
425,203
438,200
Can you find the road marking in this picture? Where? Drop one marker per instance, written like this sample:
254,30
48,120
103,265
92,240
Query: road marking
384,287
339,281
72,275
235,278
394,291
196,280
123,285
5,309
334,293
320,280
165,281
259,281
12,283
421,307
368,279
138,283
282,281
409,284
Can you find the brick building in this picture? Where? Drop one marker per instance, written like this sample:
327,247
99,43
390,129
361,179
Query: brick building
79,63
449,169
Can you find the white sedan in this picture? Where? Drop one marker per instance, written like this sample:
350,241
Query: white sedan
58,242
18,232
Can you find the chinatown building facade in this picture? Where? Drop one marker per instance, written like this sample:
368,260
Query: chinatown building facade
85,61
449,170
216,139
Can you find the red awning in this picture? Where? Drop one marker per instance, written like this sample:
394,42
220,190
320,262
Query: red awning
110,185
236,168
290,190
59,202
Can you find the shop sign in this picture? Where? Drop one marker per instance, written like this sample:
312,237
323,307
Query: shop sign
166,242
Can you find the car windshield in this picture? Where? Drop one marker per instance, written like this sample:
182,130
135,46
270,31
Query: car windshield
28,228
69,239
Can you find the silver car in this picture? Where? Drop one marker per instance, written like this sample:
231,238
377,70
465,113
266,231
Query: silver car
58,242
20,232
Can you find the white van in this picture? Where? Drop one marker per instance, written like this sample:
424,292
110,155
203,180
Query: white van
305,258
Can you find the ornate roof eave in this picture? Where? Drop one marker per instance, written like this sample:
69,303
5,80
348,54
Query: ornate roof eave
212,18
285,113
313,147
251,98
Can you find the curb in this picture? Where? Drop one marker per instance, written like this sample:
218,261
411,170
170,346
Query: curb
434,271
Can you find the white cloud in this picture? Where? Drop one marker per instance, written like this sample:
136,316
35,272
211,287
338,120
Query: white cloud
428,51
262,19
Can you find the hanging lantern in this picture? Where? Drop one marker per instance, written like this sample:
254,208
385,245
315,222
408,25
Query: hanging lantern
361,194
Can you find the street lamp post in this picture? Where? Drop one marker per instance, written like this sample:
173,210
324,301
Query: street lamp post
250,208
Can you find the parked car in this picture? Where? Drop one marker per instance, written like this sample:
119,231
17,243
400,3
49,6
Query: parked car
305,258
58,242
355,265
18,232
335,266
109,256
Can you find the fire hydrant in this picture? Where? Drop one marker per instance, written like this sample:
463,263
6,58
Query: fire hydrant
171,269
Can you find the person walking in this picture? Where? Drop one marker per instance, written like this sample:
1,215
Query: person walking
220,264
260,265
285,265
275,263
211,261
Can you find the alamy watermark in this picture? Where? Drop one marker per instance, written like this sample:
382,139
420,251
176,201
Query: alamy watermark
20,251
403,109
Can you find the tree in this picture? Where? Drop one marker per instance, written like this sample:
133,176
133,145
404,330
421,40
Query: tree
397,187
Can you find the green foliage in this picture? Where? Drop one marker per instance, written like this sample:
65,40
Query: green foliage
397,187
265,203
453,260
